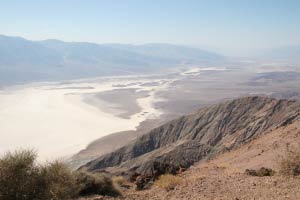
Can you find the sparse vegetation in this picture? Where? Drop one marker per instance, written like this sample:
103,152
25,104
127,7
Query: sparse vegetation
58,180
168,181
119,181
260,172
21,178
90,184
290,163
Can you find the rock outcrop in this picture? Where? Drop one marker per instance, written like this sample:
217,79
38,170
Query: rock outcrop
212,130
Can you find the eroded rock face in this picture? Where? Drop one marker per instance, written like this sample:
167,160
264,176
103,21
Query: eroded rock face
188,139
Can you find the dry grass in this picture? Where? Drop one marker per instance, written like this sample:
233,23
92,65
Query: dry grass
168,182
290,163
90,184
119,180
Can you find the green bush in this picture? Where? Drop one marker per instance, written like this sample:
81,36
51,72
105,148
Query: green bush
21,178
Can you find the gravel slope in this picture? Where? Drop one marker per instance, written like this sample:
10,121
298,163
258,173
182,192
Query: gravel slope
223,177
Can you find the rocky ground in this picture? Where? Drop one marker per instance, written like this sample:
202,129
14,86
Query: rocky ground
224,176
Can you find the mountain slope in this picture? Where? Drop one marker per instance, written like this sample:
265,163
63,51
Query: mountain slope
224,176
182,142
23,60
18,51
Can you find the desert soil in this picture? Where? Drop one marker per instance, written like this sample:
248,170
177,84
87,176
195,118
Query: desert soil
223,177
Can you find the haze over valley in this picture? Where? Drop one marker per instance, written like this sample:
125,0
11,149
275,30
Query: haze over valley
138,100
61,118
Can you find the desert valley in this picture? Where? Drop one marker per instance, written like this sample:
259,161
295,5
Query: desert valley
158,100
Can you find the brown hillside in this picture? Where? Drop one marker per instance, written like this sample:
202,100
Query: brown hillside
223,177
213,130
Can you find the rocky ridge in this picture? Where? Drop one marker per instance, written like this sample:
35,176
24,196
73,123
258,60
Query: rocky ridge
180,143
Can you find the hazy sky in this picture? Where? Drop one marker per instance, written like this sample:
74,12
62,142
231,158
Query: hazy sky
230,26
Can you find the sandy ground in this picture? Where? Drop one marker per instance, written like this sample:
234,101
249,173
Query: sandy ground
123,107
53,118
58,119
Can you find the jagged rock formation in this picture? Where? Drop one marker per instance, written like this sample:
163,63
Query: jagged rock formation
184,141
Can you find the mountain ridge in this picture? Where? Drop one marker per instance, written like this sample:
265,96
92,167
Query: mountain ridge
224,177
23,60
188,139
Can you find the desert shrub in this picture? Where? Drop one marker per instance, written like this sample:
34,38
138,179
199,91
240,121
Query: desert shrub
90,184
58,180
251,172
168,181
290,163
119,181
260,172
21,178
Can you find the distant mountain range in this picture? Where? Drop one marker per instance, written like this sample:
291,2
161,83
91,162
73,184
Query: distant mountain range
23,60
